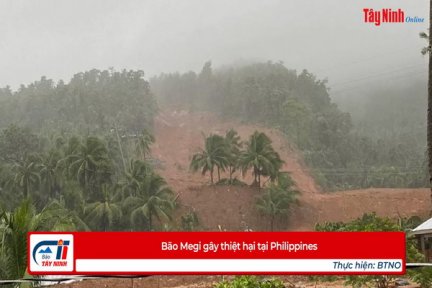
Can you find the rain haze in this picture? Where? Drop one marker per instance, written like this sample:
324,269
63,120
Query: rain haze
329,38
228,115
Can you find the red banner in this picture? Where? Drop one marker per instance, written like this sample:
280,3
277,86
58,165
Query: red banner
87,253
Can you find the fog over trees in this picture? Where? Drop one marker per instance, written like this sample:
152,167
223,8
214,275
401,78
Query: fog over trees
83,83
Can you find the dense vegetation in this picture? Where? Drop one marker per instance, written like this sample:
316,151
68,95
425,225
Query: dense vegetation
258,155
371,222
341,155
250,282
92,101
76,156
81,162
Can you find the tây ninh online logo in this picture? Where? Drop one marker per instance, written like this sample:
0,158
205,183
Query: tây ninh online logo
388,15
51,252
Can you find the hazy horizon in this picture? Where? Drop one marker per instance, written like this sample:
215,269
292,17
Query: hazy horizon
58,39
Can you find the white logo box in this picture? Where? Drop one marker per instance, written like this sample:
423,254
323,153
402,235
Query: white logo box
46,255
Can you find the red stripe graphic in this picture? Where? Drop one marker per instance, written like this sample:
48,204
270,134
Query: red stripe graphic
65,249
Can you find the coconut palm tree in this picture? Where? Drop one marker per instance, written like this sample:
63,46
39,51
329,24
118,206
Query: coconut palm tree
277,199
143,143
89,163
49,171
154,199
27,176
213,155
13,233
233,146
261,157
9,190
102,215
133,177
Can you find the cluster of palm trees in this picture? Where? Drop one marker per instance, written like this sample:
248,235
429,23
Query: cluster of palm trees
79,183
82,172
227,154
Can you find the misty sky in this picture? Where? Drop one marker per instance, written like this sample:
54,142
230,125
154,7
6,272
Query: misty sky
60,38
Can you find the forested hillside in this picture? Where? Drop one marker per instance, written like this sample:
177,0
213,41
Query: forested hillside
75,156
341,154
91,101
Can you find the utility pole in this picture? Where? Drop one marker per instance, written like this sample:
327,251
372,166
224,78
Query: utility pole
429,109
120,146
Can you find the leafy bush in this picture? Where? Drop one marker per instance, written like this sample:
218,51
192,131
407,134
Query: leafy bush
190,221
250,282
371,222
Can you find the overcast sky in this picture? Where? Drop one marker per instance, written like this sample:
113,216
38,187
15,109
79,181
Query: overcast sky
60,38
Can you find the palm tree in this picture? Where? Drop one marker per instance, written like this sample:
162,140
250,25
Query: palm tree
27,176
49,171
73,146
153,200
429,113
143,143
13,233
233,145
428,50
260,156
102,215
213,154
9,190
133,177
89,163
277,199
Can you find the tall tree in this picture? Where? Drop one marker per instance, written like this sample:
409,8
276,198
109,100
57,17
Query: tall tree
144,140
428,50
261,157
233,146
133,177
213,155
17,142
13,233
27,175
90,163
102,215
49,172
293,112
154,199
277,198
429,111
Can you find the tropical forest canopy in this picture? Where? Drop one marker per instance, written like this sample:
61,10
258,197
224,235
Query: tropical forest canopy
77,155
382,147
92,101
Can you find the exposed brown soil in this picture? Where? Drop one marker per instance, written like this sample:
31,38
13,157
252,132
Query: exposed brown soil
180,134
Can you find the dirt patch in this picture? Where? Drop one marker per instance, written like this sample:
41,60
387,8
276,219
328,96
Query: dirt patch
222,208
180,134
190,281
349,205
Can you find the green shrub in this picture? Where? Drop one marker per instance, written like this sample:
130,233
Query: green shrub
251,282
